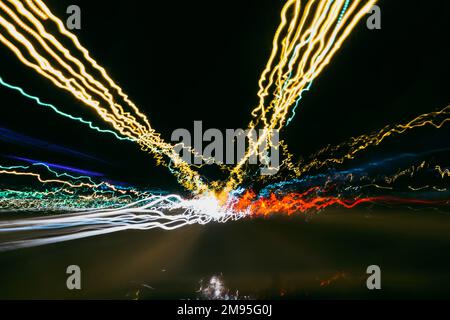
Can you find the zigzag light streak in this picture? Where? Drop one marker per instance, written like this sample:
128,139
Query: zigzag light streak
358,144
48,105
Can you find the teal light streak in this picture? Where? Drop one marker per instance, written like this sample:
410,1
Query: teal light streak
43,104
341,15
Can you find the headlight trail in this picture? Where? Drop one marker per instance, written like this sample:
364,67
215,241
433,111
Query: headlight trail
165,212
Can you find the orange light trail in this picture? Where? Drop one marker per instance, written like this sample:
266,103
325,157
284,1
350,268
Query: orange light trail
293,203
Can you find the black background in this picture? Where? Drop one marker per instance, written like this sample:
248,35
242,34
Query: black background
182,61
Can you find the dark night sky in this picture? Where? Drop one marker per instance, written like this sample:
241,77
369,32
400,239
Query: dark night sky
182,61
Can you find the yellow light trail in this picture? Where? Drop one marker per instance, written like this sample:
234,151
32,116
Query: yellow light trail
43,10
355,145
88,81
59,181
308,43
443,173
